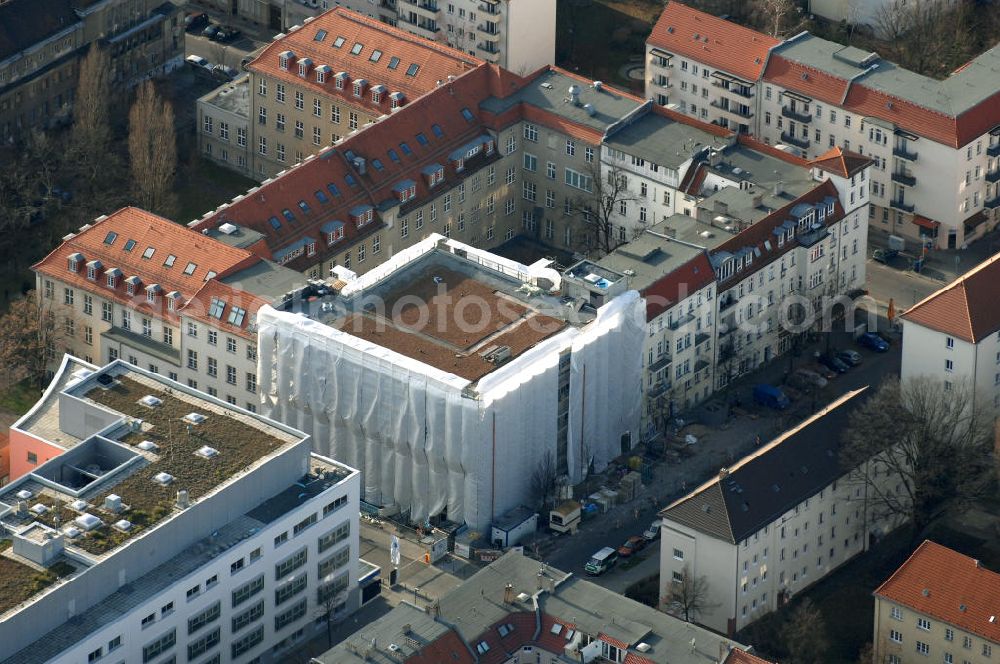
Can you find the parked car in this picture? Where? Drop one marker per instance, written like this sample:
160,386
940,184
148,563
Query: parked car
633,544
884,255
770,396
601,561
850,357
210,31
810,377
198,62
874,341
226,34
652,532
195,21
822,370
833,363
224,72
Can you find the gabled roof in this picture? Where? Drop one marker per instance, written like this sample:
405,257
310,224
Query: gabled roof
762,486
944,584
761,238
140,243
739,656
398,53
733,48
227,315
24,23
841,163
966,308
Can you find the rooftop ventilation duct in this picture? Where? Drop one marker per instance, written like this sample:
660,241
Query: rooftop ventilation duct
150,401
87,522
207,452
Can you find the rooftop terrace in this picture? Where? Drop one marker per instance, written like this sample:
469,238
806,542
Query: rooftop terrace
141,440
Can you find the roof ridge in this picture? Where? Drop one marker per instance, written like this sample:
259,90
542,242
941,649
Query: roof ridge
356,17
898,570
960,282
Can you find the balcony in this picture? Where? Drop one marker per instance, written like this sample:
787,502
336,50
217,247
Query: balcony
794,140
661,363
663,82
792,114
488,47
903,153
993,150
904,179
900,204
426,29
723,105
700,338
683,320
659,389
994,175
422,8
489,7
727,302
992,203
490,34
746,93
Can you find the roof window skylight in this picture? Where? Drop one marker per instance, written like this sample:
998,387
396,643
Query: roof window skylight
393,62
357,48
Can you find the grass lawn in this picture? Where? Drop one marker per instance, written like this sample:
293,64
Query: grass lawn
19,397
596,40
205,186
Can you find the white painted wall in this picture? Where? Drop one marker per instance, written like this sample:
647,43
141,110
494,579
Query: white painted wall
529,39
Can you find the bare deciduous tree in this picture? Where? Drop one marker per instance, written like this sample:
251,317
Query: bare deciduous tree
930,435
601,205
805,635
780,16
543,481
687,598
91,136
30,337
152,146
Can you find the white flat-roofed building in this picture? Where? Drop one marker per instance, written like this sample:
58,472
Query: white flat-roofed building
173,527
448,408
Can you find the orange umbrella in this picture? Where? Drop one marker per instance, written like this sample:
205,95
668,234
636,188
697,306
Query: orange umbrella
892,310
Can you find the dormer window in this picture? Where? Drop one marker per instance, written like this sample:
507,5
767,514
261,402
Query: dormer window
406,190
396,100
284,59
173,297
459,164
340,80
363,214
359,87
152,291
311,249
112,277
74,261
333,230
132,285
321,73
376,97
93,267
304,65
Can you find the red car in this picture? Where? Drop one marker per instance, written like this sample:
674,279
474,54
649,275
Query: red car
634,544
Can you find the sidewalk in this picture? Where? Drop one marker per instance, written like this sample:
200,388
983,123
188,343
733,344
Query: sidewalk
944,264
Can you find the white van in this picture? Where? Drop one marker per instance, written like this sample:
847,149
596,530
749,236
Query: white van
601,561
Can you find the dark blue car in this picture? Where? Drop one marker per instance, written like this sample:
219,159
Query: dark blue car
873,341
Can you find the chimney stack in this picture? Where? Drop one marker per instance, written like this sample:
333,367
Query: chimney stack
508,593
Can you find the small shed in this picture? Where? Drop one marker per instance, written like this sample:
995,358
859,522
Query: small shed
510,528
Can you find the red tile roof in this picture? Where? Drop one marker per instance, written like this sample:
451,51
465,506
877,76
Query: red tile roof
948,586
841,163
905,114
435,62
757,234
446,648
632,658
144,231
442,108
688,278
806,80
722,44
200,304
738,656
965,308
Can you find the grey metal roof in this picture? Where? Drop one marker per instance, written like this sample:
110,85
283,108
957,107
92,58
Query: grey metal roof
266,279
473,608
952,96
550,91
764,485
650,258
663,141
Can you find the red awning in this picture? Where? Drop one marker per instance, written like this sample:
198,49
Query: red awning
929,224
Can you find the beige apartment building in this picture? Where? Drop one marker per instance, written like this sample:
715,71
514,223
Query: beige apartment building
519,35
321,82
772,524
141,288
223,126
483,158
935,144
939,606
42,43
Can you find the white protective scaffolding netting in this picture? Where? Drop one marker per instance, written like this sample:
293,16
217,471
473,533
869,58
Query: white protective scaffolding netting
426,443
